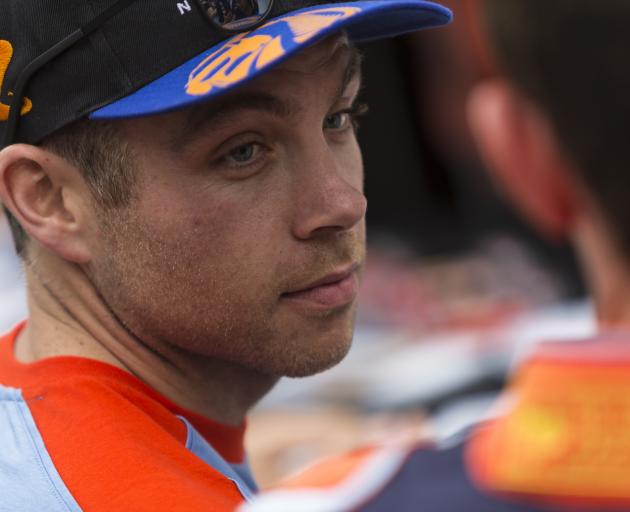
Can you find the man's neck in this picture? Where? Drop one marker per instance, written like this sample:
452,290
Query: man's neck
68,318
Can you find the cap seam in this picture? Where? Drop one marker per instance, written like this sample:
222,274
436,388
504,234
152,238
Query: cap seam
100,36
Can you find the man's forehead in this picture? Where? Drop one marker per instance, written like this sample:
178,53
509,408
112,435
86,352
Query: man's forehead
327,54
334,60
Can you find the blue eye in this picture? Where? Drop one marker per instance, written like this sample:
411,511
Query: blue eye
243,154
337,121
345,119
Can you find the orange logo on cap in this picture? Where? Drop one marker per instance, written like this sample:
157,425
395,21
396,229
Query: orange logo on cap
246,53
6,53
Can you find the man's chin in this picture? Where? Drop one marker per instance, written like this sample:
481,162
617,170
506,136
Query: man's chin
305,346
307,363
313,369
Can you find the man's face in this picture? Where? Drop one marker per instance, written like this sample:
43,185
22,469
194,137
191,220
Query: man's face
247,237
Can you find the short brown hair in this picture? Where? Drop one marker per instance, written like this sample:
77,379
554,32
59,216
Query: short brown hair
571,58
105,161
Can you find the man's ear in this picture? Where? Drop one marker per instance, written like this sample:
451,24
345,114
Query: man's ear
525,157
46,195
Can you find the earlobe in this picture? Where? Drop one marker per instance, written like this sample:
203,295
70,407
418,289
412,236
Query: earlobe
524,156
39,188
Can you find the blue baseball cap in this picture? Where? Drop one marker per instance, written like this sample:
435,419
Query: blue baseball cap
243,57
113,59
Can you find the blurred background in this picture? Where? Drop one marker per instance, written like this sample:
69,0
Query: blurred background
457,289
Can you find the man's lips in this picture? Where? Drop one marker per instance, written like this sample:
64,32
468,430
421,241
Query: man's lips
334,290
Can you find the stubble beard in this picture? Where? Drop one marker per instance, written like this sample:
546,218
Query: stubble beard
174,306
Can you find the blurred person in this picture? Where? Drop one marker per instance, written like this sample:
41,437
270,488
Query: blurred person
551,123
189,210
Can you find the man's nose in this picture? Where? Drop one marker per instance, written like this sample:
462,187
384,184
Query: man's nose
329,199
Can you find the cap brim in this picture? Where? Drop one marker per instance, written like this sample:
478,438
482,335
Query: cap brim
241,58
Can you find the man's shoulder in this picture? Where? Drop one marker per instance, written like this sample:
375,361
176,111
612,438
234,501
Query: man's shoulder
408,478
362,479
560,442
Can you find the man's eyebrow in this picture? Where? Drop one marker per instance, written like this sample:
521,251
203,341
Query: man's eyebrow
214,112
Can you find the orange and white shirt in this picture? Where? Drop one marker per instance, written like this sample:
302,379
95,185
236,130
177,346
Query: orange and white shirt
77,434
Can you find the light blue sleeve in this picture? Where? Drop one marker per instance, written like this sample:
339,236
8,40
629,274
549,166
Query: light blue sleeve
29,481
